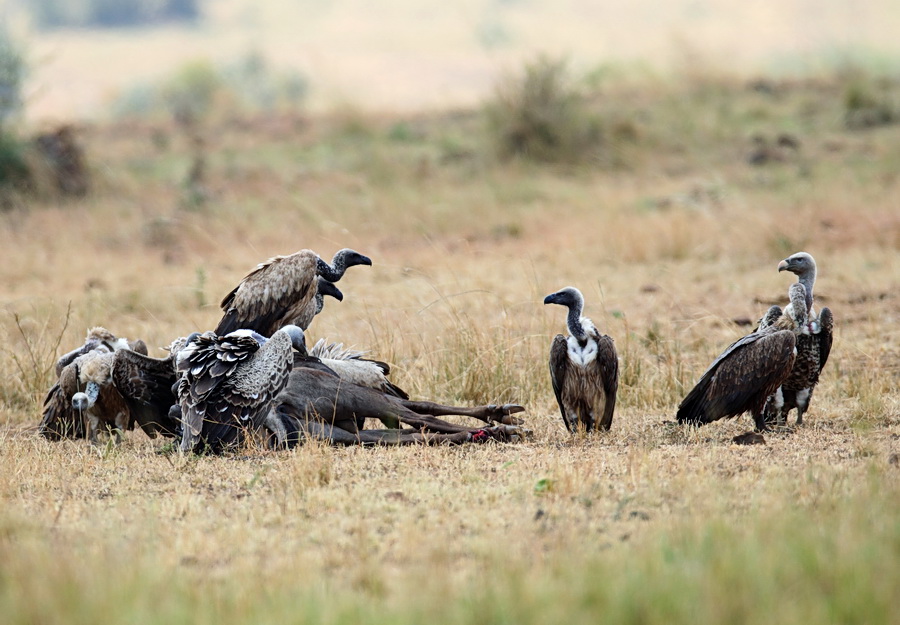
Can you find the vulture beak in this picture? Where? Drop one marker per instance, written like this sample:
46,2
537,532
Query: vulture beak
551,299
783,265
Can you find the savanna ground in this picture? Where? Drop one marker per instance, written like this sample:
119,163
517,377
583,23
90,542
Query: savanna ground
668,230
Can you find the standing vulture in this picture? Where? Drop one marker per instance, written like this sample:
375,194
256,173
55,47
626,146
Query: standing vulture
813,348
584,368
228,381
282,291
749,371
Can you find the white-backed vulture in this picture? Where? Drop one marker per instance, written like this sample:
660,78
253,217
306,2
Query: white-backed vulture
748,371
228,381
813,348
282,291
584,368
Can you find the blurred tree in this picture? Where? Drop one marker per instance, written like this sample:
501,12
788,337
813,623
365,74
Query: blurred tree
13,169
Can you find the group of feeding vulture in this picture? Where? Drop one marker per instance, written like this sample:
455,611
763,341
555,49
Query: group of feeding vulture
253,377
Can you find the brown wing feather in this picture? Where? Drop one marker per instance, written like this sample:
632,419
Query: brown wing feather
279,291
59,420
608,365
741,379
826,336
146,385
558,365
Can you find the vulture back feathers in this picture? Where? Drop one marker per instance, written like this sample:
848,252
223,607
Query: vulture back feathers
282,291
228,381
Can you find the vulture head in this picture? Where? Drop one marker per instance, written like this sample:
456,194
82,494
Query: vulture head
348,258
339,263
323,288
569,297
800,263
298,339
804,266
94,372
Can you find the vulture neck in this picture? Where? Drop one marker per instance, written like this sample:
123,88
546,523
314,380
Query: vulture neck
808,279
334,272
573,320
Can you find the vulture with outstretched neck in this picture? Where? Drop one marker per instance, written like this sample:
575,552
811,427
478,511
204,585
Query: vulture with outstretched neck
228,381
813,348
749,371
282,291
584,368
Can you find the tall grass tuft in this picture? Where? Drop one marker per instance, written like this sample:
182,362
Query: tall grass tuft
34,358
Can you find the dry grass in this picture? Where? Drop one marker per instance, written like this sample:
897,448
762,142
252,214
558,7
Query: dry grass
650,523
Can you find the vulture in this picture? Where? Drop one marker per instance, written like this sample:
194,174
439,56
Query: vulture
282,291
115,389
227,383
317,403
813,347
749,370
584,368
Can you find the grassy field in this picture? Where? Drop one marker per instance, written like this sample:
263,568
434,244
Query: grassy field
673,237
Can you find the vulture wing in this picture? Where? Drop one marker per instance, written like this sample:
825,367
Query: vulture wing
279,291
741,378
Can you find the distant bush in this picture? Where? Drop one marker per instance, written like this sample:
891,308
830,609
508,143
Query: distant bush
200,88
540,115
13,166
111,13
870,102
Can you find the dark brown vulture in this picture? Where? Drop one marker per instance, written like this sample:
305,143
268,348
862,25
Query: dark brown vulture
813,348
282,291
749,371
584,368
227,383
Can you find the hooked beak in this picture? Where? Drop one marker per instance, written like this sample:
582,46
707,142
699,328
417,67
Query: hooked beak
551,299
783,265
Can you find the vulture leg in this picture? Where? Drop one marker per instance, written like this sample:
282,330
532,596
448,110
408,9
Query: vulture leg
488,414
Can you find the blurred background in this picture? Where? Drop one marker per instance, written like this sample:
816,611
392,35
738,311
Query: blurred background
90,58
